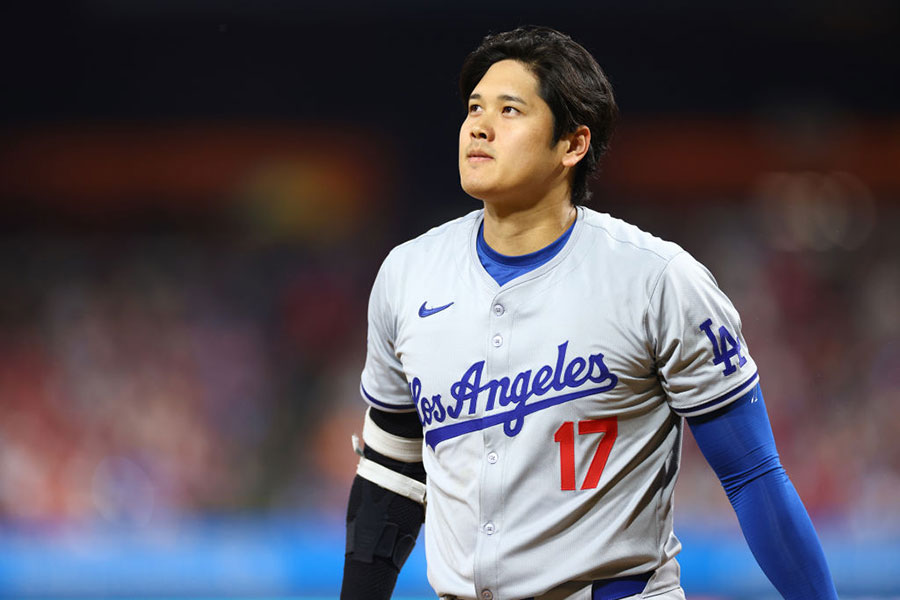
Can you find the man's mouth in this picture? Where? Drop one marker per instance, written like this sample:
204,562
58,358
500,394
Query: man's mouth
478,156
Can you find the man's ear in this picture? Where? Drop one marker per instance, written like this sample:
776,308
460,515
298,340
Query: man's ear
579,142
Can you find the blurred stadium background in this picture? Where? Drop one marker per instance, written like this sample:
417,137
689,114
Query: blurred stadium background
195,197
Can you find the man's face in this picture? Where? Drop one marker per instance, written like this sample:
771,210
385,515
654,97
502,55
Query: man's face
505,150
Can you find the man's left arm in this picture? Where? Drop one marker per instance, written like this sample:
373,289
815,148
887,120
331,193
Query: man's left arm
738,444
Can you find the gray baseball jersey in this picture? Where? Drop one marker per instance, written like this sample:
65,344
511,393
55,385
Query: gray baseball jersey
552,406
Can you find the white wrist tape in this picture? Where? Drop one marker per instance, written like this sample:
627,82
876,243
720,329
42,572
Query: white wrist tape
391,480
393,446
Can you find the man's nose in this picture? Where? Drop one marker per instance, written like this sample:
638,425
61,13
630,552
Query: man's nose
481,131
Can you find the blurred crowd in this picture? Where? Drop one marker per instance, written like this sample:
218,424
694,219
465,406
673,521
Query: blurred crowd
160,376
151,376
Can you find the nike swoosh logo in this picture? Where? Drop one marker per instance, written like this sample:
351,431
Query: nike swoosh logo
427,312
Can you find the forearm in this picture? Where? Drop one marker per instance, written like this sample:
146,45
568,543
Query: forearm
781,536
382,525
737,442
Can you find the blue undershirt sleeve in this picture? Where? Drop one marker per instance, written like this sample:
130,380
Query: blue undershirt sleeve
738,444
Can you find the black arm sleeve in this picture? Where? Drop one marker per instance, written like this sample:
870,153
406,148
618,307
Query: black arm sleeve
382,526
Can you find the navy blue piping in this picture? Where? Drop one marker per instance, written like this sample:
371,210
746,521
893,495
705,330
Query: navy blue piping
362,388
721,398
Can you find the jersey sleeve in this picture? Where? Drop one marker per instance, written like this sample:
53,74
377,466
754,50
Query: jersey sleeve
701,357
383,382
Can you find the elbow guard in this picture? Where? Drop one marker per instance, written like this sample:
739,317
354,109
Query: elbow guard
386,506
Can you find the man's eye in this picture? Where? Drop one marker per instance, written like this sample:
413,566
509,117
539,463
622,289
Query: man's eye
474,108
510,110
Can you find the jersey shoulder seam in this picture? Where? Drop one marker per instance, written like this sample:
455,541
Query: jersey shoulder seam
632,244
656,285
662,272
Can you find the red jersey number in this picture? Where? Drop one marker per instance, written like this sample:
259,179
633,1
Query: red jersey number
565,437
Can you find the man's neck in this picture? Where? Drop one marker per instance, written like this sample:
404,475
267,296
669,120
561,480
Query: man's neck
517,232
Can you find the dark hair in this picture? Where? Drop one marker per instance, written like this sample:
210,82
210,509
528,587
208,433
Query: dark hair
571,83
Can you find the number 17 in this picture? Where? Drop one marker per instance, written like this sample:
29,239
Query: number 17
565,436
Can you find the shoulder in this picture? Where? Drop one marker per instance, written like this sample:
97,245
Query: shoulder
630,246
442,243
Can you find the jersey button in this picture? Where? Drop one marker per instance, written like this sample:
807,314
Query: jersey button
499,310
487,595
497,340
489,528
492,457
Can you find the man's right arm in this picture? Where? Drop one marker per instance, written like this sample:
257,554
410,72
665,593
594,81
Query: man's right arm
386,507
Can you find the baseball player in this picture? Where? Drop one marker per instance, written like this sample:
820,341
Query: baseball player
531,365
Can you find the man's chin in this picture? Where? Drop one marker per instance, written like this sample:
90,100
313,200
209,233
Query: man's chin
479,192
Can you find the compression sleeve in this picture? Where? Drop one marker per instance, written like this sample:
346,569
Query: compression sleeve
382,526
738,444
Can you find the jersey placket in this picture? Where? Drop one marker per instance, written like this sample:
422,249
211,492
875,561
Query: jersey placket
487,568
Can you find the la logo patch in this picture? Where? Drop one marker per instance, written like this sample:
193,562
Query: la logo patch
725,349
